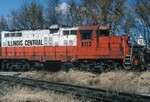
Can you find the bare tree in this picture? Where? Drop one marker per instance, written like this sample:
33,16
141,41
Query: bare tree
29,16
142,12
129,22
73,13
35,15
53,13
3,24
14,21
89,12
105,11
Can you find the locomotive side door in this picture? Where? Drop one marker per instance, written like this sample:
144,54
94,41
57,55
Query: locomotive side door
103,41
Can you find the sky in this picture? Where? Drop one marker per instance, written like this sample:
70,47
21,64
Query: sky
7,5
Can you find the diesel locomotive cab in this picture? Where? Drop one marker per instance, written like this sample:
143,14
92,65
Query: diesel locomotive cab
104,30
100,49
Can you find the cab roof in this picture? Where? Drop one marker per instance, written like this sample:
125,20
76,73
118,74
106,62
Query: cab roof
93,27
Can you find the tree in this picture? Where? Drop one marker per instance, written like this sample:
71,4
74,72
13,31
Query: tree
105,11
3,24
89,12
35,15
15,20
53,13
143,19
129,22
29,16
73,13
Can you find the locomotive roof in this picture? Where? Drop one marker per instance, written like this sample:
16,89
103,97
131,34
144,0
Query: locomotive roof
93,27
24,30
69,28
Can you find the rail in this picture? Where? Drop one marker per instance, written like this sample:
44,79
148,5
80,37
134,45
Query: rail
95,94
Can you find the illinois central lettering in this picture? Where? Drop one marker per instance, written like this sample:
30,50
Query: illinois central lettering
33,42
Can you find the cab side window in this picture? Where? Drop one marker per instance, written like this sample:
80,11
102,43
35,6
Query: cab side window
86,34
73,32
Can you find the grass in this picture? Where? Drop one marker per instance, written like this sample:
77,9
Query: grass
122,81
18,94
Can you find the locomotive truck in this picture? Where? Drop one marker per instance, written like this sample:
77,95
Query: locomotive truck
90,48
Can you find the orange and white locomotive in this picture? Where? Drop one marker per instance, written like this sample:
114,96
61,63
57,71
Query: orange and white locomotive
85,47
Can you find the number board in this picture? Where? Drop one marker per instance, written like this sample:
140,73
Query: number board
86,44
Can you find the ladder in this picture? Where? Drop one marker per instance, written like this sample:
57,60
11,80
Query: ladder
127,62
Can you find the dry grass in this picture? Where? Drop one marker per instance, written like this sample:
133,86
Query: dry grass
133,82
26,95
79,78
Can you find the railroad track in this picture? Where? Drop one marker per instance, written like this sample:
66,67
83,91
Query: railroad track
93,94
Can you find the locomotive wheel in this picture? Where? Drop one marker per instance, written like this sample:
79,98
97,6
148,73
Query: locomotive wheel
67,66
82,66
26,67
38,65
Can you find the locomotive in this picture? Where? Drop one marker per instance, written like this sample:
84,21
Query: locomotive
91,48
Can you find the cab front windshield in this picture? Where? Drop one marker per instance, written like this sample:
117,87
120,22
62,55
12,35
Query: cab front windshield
103,32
